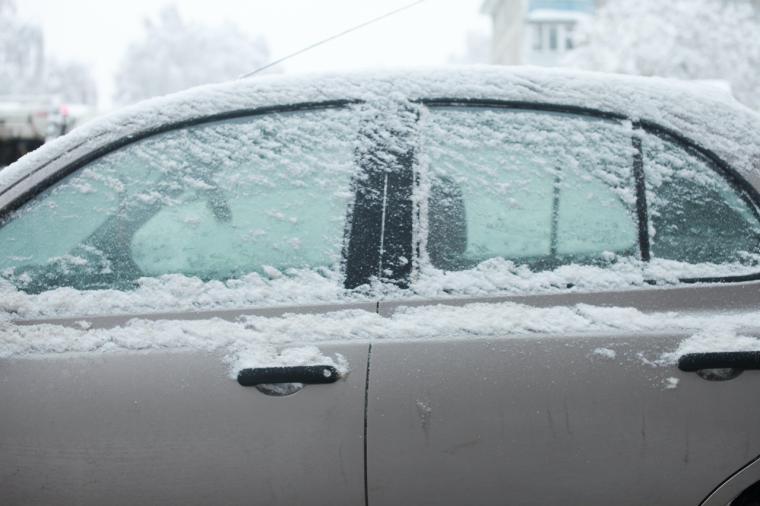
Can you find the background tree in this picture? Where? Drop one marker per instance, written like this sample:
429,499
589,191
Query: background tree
687,39
174,55
70,82
24,70
21,52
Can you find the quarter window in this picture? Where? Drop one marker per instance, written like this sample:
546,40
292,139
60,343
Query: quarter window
695,214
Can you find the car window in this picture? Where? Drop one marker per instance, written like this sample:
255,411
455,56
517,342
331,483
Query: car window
258,194
695,214
539,188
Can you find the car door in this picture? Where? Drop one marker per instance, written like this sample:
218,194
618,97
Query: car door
567,390
142,285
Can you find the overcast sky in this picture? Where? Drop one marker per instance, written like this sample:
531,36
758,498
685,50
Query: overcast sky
97,32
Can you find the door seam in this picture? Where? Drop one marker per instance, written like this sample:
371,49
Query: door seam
366,405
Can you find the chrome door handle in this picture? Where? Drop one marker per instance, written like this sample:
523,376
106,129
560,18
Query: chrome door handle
307,374
741,360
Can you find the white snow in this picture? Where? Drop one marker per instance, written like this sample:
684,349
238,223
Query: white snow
180,293
175,292
703,39
605,353
260,340
714,121
498,276
716,336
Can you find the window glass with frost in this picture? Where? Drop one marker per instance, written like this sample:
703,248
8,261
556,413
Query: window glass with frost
696,216
540,189
216,201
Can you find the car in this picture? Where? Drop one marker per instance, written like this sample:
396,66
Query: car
468,285
27,121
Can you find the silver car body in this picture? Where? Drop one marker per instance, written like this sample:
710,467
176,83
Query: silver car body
526,419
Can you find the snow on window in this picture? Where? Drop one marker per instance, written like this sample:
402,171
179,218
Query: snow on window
695,214
536,188
260,194
510,202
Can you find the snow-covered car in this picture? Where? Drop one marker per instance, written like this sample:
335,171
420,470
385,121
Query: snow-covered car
458,286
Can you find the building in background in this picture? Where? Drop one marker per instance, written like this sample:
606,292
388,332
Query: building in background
534,32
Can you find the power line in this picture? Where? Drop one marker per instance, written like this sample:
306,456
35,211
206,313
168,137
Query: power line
333,37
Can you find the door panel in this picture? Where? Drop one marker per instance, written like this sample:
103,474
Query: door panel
546,420
171,428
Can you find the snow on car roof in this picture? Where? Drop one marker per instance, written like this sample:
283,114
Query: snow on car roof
712,119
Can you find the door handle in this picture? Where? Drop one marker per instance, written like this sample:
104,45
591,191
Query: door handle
741,360
307,374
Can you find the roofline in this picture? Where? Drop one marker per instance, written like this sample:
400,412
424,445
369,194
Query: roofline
636,97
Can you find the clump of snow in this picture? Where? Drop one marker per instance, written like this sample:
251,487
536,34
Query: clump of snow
176,292
671,383
605,353
722,336
498,276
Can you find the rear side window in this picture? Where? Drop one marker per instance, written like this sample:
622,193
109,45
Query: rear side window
695,214
258,194
541,189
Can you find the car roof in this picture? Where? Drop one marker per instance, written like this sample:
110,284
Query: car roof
706,115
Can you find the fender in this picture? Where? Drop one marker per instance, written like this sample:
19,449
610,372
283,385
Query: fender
734,485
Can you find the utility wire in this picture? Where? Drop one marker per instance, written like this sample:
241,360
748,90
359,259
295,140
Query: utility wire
333,37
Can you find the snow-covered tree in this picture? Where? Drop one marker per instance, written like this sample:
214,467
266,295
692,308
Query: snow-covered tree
21,52
175,54
70,82
25,70
687,39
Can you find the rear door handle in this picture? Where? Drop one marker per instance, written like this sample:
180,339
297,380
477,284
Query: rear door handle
307,374
743,360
